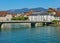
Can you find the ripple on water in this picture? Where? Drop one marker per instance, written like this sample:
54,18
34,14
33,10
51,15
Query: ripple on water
44,34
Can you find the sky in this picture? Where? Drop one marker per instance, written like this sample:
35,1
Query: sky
18,4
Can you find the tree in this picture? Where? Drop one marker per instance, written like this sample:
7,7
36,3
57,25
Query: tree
19,18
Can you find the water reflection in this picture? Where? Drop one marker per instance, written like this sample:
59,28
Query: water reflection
24,34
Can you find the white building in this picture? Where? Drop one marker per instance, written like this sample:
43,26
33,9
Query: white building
57,17
41,17
18,14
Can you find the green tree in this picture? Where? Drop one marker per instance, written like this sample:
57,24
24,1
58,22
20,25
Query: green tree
19,18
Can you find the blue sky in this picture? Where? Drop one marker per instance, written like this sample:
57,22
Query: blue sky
18,4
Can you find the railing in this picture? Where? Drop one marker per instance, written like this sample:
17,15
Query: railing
23,21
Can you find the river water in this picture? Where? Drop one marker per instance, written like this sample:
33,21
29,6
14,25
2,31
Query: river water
24,34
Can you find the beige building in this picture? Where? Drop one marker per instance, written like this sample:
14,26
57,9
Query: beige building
2,18
8,17
5,18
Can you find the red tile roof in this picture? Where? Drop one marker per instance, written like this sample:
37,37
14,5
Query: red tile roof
13,15
3,13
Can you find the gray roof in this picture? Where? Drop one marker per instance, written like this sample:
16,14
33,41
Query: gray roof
38,14
41,13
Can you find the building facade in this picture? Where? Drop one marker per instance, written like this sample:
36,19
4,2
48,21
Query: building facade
38,16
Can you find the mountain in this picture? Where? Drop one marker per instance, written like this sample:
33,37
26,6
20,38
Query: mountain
18,11
39,9
58,8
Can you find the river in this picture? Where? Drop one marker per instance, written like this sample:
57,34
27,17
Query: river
24,34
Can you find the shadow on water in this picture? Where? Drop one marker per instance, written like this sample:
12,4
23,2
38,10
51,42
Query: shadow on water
0,29
33,25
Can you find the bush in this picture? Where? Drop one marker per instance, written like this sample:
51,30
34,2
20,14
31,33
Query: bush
19,18
14,18
55,21
25,18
